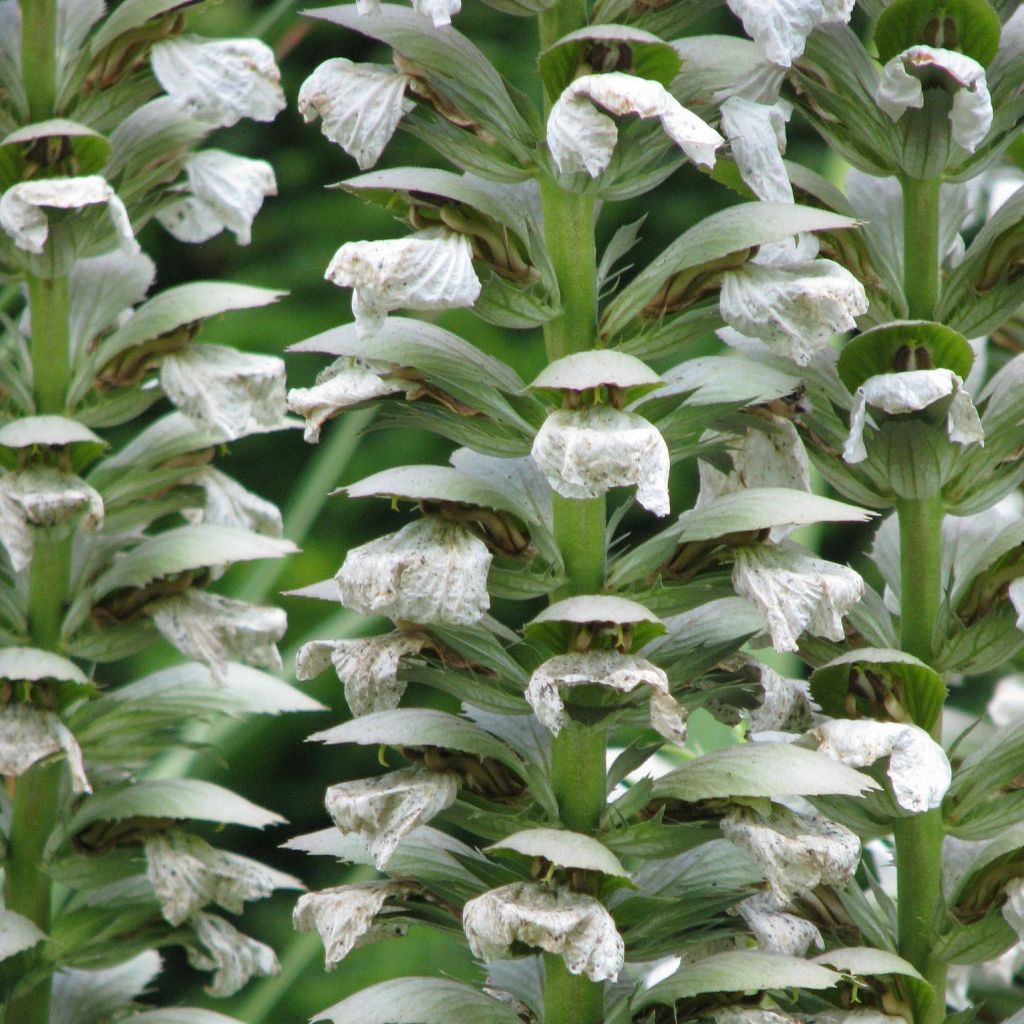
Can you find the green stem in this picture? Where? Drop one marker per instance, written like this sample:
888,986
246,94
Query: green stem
921,245
39,56
920,572
48,311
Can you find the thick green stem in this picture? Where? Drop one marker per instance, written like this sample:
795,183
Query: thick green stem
921,245
48,311
39,56
920,572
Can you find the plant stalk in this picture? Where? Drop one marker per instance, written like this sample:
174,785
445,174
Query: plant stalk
39,56
48,311
921,254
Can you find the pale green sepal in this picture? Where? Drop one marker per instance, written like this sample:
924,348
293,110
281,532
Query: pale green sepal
17,934
564,849
864,961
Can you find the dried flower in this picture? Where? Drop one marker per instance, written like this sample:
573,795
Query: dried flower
28,735
781,27
233,957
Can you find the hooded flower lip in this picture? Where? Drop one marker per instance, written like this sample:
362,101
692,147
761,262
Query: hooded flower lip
796,592
187,874
585,452
28,735
581,138
781,27
785,705
775,931
431,269
233,957
430,572
901,87
918,767
623,672
219,81
439,11
368,668
908,392
228,503
23,209
360,105
384,809
225,192
346,916
757,137
569,924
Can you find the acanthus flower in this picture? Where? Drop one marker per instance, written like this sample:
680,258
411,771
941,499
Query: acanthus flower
28,735
233,957
781,27
439,11
776,931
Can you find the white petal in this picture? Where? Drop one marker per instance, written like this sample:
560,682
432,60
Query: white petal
344,383
22,209
794,309
368,667
569,924
187,874
430,571
584,452
384,809
918,766
1013,908
28,735
226,393
911,391
228,503
431,269
581,138
1016,595
345,916
1007,703
439,11
215,629
900,88
781,27
775,931
233,957
757,135
220,81
785,706
796,592
226,191
360,105
622,672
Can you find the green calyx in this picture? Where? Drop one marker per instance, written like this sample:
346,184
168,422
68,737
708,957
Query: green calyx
968,26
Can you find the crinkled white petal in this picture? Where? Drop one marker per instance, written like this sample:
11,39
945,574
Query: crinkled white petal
432,269
781,27
225,191
569,924
23,209
796,592
345,916
430,571
367,667
581,138
228,503
439,11
384,809
187,874
785,706
219,81
918,767
796,852
900,88
793,308
360,105
224,392
1013,908
584,452
28,735
757,136
215,629
911,391
346,382
775,931
623,672
233,957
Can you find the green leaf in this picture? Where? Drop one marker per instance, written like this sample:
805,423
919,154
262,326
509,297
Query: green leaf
85,997
564,849
33,664
17,934
970,26
866,962
131,14
725,380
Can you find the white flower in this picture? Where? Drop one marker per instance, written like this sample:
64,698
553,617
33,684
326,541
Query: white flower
584,452
228,503
215,629
781,27
569,924
23,206
233,957
360,105
439,11
911,391
796,852
368,667
432,269
796,592
1007,703
346,382
43,497
225,392
775,931
623,672
430,571
900,88
581,138
757,136
918,767
785,706
794,308
384,809
226,191
219,81
187,874
28,735
345,916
